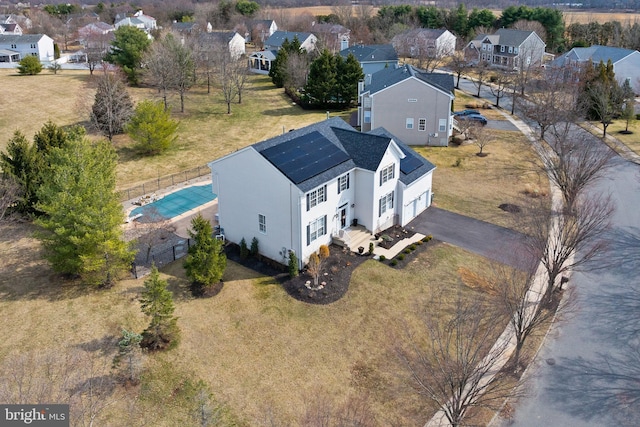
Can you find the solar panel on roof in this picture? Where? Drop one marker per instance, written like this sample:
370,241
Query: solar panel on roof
409,164
305,157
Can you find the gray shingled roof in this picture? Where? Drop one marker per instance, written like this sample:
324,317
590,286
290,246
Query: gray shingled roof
510,37
426,166
595,53
371,53
390,76
217,36
365,150
24,38
277,38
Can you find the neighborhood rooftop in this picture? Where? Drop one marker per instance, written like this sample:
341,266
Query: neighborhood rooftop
390,76
317,153
380,52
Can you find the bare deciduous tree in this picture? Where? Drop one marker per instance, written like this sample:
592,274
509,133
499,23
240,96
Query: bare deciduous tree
454,362
152,229
322,411
566,239
500,81
481,74
112,107
481,137
573,163
459,64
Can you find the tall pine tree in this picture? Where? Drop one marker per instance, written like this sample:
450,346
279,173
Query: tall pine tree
157,303
81,225
322,80
206,261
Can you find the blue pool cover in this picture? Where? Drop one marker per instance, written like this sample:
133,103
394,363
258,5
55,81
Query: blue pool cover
176,203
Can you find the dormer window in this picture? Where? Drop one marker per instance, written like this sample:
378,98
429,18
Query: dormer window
387,173
502,48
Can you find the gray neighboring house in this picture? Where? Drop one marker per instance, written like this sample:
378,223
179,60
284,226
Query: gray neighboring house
373,58
209,41
307,40
427,42
334,37
507,49
412,104
626,62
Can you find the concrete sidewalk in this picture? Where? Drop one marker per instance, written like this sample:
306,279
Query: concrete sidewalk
504,347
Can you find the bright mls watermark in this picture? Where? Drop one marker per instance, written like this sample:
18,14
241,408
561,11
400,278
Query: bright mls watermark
34,415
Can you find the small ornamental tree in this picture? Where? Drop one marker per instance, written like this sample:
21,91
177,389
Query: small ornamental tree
206,261
293,264
244,250
152,128
29,66
129,354
254,247
157,303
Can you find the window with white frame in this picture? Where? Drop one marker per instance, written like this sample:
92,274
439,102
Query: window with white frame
409,123
502,48
484,47
343,183
422,124
387,173
316,228
510,49
262,223
316,197
367,116
385,203
442,125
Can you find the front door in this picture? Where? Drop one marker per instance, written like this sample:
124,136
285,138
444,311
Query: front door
343,216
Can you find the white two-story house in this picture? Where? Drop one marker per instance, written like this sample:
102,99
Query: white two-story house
15,47
295,192
412,104
507,49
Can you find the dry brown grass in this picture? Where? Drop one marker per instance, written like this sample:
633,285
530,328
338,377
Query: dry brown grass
256,348
477,186
631,140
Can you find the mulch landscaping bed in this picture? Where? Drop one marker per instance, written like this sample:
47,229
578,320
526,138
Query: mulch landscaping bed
407,255
394,235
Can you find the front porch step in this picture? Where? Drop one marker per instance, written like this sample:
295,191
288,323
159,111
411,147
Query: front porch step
355,237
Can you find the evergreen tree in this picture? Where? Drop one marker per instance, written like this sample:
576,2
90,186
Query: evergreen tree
127,50
20,161
81,229
206,261
152,128
349,73
29,66
157,302
112,107
322,80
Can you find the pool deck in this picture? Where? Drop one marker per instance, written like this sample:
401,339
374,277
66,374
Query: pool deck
181,222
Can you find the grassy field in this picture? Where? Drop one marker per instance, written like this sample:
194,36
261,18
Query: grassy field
257,349
570,16
630,140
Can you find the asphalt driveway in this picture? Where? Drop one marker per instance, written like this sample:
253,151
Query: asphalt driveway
489,240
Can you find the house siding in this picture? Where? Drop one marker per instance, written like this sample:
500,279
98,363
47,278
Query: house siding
416,197
430,104
248,185
629,68
387,219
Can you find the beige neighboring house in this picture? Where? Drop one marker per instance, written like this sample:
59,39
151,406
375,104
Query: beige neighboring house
425,42
15,47
507,49
231,39
412,104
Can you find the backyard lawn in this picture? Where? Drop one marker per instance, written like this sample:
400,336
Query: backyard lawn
264,355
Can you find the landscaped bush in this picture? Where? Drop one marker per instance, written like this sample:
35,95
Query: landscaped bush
427,238
244,250
323,252
393,263
293,265
412,247
407,251
254,247
400,257
382,258
371,246
419,242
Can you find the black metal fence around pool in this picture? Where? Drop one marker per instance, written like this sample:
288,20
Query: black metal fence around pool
159,256
161,182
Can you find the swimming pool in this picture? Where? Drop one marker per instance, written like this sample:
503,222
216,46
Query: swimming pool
176,203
